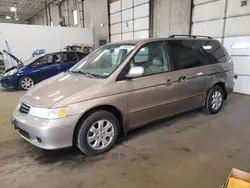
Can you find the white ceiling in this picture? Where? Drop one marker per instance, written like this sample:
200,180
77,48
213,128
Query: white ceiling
26,9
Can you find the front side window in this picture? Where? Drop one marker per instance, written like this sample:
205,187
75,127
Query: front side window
103,61
50,60
187,53
47,60
152,57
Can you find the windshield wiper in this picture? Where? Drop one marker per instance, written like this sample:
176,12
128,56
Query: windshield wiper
87,74
81,72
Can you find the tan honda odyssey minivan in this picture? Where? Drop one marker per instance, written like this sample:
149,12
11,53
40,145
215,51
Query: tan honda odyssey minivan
121,86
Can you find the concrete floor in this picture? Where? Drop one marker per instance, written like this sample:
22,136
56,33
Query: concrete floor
190,150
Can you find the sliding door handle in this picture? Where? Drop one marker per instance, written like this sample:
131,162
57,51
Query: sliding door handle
182,79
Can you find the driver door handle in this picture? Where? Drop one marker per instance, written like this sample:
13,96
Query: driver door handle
182,79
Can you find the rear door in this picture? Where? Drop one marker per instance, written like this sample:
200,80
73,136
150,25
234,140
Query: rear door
68,60
192,81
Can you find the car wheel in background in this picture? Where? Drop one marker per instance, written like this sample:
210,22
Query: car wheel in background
97,133
215,100
26,82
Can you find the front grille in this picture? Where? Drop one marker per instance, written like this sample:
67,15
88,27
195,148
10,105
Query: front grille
24,133
24,108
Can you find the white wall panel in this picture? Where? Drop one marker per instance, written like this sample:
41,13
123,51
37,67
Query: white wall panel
127,4
141,11
127,14
211,28
115,7
242,65
127,26
127,36
238,26
210,11
115,29
237,45
141,34
234,8
141,24
24,39
139,2
242,85
116,38
115,18
197,2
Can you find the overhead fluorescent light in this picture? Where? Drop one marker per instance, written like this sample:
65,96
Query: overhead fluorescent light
240,46
13,9
7,17
75,17
207,47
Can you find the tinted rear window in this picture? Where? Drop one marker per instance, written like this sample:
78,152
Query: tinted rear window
187,53
69,57
194,53
215,52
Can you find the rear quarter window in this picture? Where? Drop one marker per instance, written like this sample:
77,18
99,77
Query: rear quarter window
215,52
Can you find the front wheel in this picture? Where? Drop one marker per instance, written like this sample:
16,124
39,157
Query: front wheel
215,100
26,82
98,133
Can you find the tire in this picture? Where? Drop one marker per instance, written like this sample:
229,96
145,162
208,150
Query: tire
30,82
93,132
214,101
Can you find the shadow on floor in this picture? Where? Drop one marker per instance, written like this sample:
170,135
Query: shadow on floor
73,155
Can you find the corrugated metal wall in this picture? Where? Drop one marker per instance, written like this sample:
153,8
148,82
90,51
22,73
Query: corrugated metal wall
228,21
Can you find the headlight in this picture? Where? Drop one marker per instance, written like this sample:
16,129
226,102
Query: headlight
49,113
9,73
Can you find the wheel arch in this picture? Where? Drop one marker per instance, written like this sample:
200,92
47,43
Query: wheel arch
112,109
222,85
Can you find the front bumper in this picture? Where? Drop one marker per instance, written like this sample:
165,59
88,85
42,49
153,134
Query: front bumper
43,133
9,82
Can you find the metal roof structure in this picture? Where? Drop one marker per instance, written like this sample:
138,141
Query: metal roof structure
26,9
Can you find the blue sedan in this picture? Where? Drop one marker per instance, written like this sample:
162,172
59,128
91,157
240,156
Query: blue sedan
26,74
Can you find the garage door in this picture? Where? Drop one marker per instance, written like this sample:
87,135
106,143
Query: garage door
228,21
129,19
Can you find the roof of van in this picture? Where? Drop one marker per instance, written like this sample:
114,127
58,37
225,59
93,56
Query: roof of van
137,41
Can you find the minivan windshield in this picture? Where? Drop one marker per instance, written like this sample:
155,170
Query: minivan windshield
103,61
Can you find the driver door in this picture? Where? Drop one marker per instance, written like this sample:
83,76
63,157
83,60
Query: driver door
47,67
151,96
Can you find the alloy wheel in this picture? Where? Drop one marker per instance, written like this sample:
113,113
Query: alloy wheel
100,134
216,100
27,83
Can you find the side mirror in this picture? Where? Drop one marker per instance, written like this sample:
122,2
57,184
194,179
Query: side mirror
135,72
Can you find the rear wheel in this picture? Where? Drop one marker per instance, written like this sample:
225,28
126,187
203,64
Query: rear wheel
215,100
98,133
26,82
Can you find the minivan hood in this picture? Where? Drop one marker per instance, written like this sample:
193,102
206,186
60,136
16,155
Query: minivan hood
51,91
